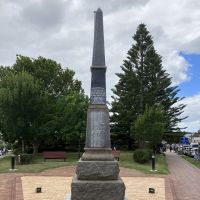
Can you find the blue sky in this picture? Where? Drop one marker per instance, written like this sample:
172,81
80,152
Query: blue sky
192,86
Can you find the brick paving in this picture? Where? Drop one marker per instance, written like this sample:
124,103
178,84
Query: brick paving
181,184
184,178
6,186
11,186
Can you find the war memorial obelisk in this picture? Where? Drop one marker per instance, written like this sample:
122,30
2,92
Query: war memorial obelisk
97,173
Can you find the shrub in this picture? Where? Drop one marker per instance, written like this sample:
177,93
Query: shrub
25,158
142,155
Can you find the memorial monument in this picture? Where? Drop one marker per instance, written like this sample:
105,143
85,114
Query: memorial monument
97,173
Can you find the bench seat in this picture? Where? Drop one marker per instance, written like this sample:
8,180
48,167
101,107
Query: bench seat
54,155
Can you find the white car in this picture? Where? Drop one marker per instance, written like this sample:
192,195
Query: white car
194,149
194,152
186,149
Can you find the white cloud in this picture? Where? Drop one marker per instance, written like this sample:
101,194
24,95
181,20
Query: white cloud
192,111
44,15
63,30
177,66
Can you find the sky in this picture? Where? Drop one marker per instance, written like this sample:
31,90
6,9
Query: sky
62,30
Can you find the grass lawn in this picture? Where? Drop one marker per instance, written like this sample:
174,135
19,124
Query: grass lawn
38,164
126,160
192,161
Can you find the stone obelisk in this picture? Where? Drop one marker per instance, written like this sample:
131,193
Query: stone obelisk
97,173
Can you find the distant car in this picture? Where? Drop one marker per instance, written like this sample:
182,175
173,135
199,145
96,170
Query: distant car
194,149
1,153
194,145
180,150
186,149
194,152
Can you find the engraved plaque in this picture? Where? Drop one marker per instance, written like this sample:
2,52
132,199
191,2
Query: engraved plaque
98,132
98,95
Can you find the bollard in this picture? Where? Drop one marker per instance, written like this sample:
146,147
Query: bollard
153,162
13,162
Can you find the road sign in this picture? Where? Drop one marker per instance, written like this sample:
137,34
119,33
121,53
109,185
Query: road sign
184,140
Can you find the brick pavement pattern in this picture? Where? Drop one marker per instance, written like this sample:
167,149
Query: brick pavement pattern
11,186
184,178
6,186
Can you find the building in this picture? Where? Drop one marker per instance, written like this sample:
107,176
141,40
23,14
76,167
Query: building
195,138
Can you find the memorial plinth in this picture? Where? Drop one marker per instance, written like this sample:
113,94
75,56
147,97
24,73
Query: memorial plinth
97,173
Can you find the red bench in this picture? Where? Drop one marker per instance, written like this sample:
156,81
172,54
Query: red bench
54,155
116,154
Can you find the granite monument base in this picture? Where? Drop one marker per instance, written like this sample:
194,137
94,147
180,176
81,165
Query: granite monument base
97,170
97,154
68,197
97,189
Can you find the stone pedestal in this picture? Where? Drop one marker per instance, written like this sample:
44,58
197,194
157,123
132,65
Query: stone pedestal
97,154
97,170
97,189
97,177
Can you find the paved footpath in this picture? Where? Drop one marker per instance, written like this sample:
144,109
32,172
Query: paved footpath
6,186
11,187
184,178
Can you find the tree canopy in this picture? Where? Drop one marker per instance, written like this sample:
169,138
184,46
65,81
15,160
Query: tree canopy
143,82
22,104
149,126
40,102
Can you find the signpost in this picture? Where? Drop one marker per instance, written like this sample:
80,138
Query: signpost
184,140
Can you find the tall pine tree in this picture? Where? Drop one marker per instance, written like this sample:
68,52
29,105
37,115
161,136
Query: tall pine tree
143,82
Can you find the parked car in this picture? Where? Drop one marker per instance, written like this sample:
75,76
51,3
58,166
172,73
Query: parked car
194,152
189,150
180,150
186,149
194,149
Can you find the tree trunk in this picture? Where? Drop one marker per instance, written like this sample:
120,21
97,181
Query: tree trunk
22,146
154,149
35,149
141,145
130,144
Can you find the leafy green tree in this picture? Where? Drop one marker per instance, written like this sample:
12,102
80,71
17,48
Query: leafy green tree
72,125
4,71
143,82
149,127
173,138
22,103
48,89
53,78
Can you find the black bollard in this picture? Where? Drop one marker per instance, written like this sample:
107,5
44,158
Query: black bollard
153,162
12,162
